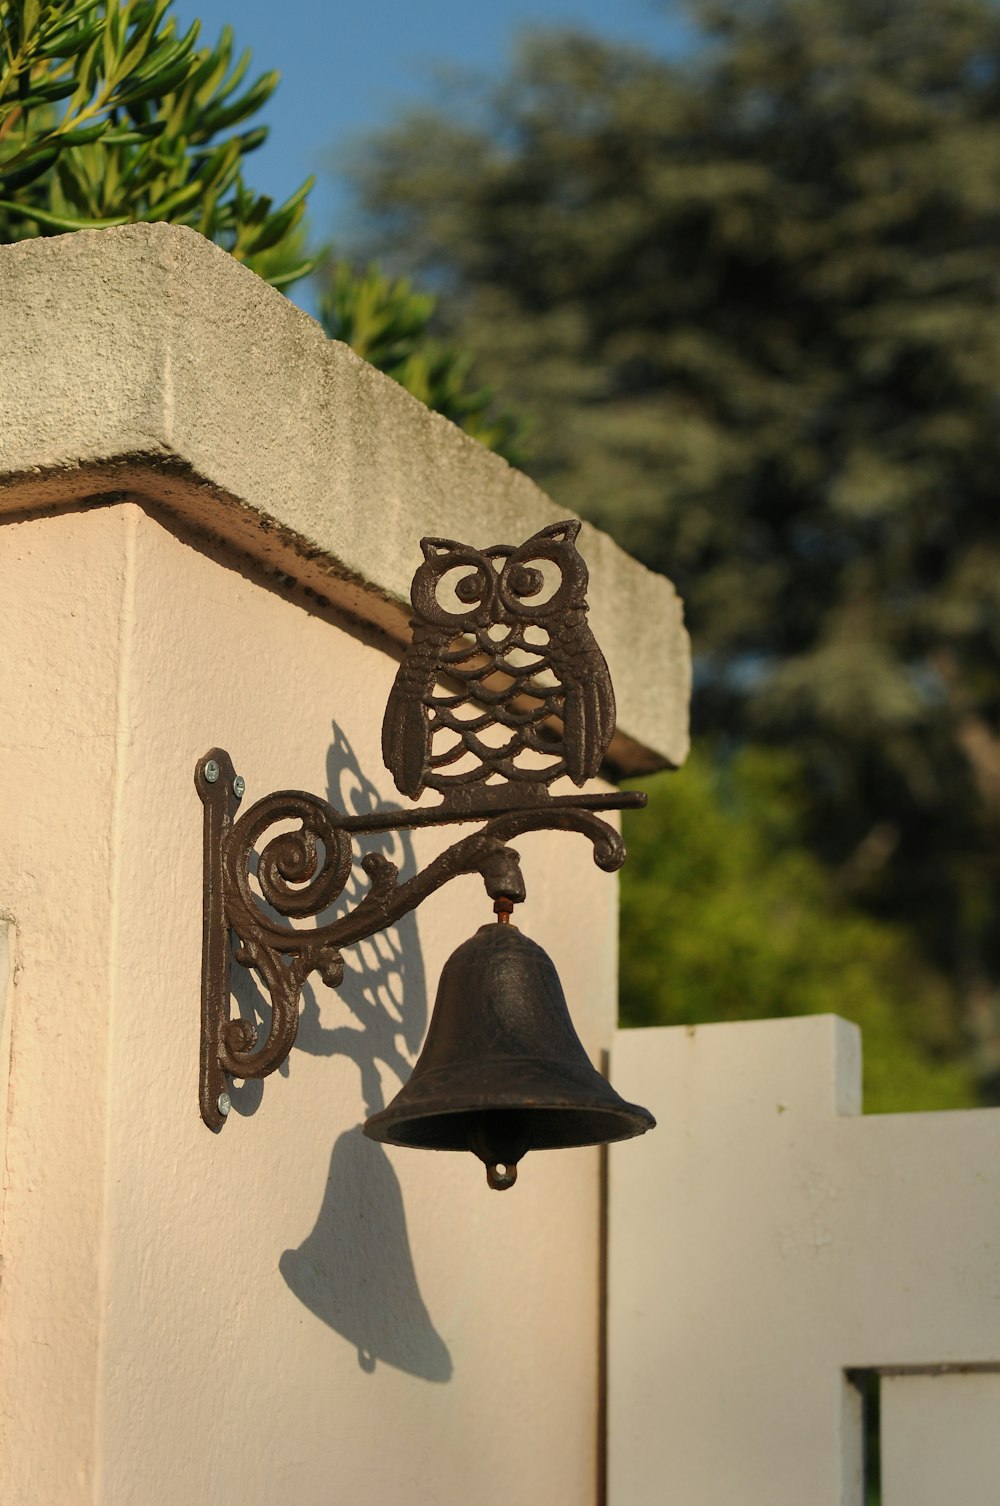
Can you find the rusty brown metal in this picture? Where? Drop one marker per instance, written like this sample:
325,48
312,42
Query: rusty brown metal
297,883
255,888
504,659
502,1070
219,800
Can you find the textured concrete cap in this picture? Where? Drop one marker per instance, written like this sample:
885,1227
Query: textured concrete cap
144,360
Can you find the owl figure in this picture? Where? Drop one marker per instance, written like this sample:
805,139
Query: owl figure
501,653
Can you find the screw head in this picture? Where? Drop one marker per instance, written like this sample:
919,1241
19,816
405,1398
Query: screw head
225,1104
211,771
239,785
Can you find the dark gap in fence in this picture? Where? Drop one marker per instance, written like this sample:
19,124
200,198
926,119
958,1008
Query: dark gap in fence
868,1384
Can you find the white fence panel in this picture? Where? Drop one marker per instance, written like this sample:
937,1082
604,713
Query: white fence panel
941,1440
766,1240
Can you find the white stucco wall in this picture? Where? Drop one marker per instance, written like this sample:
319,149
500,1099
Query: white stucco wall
209,516
284,1312
63,586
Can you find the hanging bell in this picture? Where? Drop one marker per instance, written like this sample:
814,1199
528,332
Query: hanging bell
502,1070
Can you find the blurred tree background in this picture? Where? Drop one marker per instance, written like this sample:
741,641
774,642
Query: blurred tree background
748,300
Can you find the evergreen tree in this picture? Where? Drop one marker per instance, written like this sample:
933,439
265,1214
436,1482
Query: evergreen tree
748,299
108,116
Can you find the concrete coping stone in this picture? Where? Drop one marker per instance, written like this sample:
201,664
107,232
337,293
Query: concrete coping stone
145,361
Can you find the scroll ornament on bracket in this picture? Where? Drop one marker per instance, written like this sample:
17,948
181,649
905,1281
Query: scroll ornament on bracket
502,692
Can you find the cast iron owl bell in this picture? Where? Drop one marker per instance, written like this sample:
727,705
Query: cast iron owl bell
502,1070
502,693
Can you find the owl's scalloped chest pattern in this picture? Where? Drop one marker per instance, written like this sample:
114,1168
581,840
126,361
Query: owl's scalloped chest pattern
507,687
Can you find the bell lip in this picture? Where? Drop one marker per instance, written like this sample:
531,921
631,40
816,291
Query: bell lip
539,1081
626,1121
429,1114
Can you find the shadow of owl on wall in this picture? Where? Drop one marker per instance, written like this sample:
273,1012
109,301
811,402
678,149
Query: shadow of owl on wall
503,682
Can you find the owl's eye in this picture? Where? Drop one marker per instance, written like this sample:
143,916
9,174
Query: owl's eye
470,589
531,585
461,586
522,581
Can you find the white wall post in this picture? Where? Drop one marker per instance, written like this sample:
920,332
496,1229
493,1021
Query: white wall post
765,1241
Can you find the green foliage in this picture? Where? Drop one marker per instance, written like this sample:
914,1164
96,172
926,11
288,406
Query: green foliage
726,917
748,300
388,323
108,116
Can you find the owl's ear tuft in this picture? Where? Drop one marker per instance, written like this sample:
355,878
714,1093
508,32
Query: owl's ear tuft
434,548
560,533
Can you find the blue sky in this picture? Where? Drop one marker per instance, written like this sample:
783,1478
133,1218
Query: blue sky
346,68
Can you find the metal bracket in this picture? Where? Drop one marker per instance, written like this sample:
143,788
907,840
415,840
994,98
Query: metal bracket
302,873
458,681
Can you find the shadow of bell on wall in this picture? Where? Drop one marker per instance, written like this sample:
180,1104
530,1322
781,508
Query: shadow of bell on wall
355,1272
502,692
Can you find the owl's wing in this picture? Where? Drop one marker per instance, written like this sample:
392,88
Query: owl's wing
589,700
406,730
